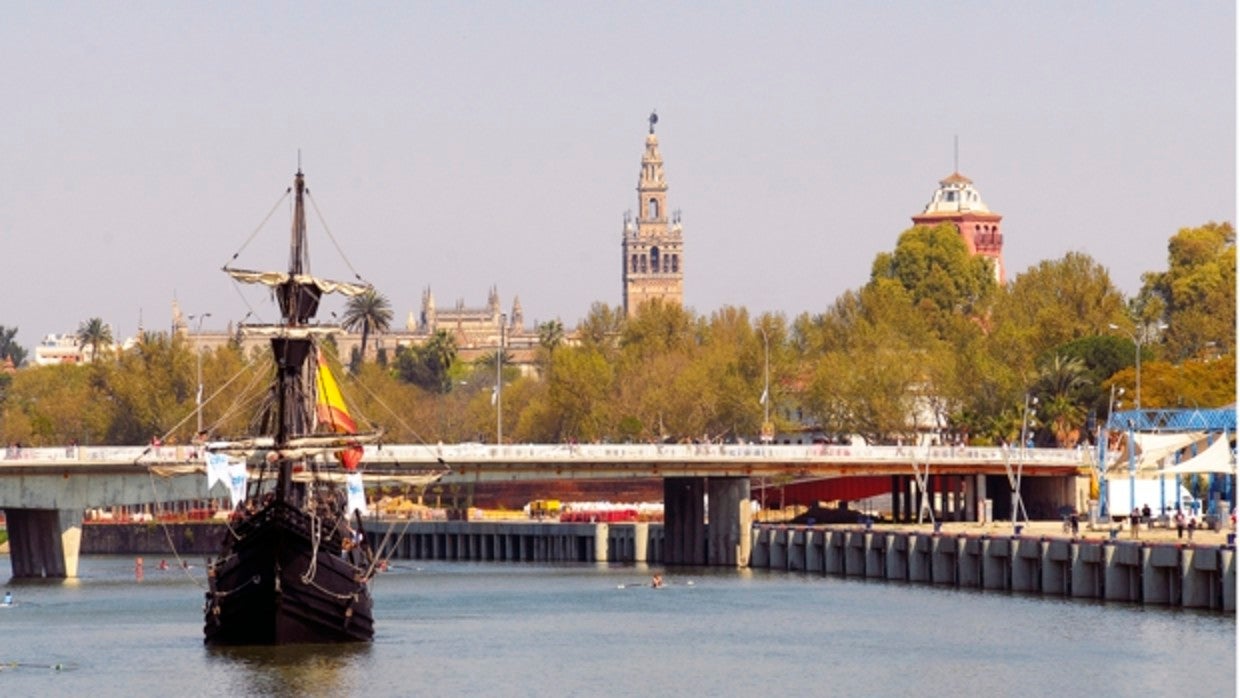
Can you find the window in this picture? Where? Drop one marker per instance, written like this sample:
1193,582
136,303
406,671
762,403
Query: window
652,209
654,259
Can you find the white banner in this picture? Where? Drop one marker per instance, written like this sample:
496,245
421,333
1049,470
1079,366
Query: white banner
357,494
237,477
217,469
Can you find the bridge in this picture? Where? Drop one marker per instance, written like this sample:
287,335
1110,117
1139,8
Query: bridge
44,491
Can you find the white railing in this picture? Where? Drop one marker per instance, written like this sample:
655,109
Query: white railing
587,453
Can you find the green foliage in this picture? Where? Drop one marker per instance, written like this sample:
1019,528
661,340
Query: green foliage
428,365
9,348
929,344
1196,295
934,266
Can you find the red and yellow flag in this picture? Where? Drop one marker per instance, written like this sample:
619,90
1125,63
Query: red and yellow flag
333,413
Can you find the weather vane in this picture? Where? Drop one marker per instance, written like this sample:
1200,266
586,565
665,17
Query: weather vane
654,119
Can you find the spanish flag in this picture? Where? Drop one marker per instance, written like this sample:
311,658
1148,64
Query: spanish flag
333,413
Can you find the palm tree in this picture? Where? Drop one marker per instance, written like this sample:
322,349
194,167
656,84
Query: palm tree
440,352
368,312
550,336
1061,380
95,334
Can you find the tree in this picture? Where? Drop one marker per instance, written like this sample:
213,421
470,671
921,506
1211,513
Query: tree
9,348
1061,381
368,312
602,326
1196,296
55,405
935,267
872,376
95,334
550,337
428,366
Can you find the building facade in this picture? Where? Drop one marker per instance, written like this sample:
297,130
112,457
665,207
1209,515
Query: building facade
652,266
956,201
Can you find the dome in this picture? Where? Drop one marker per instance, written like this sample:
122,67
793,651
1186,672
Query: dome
955,195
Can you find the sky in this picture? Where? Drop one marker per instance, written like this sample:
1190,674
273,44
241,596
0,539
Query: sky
460,146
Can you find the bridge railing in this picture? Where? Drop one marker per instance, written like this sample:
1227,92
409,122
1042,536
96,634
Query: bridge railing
65,454
810,453
586,453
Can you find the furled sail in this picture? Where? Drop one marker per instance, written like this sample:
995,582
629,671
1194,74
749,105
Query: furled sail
276,279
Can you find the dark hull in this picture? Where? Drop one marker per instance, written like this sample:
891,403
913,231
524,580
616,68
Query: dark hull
260,592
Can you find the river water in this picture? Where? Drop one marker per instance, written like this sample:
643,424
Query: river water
502,629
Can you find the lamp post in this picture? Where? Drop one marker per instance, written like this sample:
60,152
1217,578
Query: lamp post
1103,443
499,383
1018,505
198,351
768,434
1138,339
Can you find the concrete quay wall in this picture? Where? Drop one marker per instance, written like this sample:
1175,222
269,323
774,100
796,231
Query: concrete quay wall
1145,572
1150,572
519,541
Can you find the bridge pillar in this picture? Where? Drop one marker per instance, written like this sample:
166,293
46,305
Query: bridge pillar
684,523
44,542
729,536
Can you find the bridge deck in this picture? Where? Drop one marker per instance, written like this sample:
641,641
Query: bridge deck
483,463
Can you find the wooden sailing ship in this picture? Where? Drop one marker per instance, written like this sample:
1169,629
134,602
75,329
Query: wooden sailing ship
294,566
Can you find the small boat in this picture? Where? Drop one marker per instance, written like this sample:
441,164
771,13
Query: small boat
294,566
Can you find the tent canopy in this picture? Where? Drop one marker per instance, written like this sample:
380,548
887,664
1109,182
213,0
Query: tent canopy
1218,458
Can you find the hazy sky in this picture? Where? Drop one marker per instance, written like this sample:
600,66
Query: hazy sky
461,145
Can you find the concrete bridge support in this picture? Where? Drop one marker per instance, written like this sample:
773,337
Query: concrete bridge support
44,542
727,541
729,536
684,521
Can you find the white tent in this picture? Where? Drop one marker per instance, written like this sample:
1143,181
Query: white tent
1215,459
1152,448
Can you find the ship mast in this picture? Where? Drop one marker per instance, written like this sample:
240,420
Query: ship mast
299,301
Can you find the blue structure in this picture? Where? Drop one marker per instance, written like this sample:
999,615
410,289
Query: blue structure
1216,423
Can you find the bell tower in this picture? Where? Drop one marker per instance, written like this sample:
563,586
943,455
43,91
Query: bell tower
956,201
653,265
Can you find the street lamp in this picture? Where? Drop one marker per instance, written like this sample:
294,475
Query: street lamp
768,434
1138,339
1103,444
499,383
198,351
1018,505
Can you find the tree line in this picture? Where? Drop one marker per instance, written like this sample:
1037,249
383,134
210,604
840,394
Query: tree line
930,344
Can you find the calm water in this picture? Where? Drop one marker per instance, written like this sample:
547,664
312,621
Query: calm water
516,630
